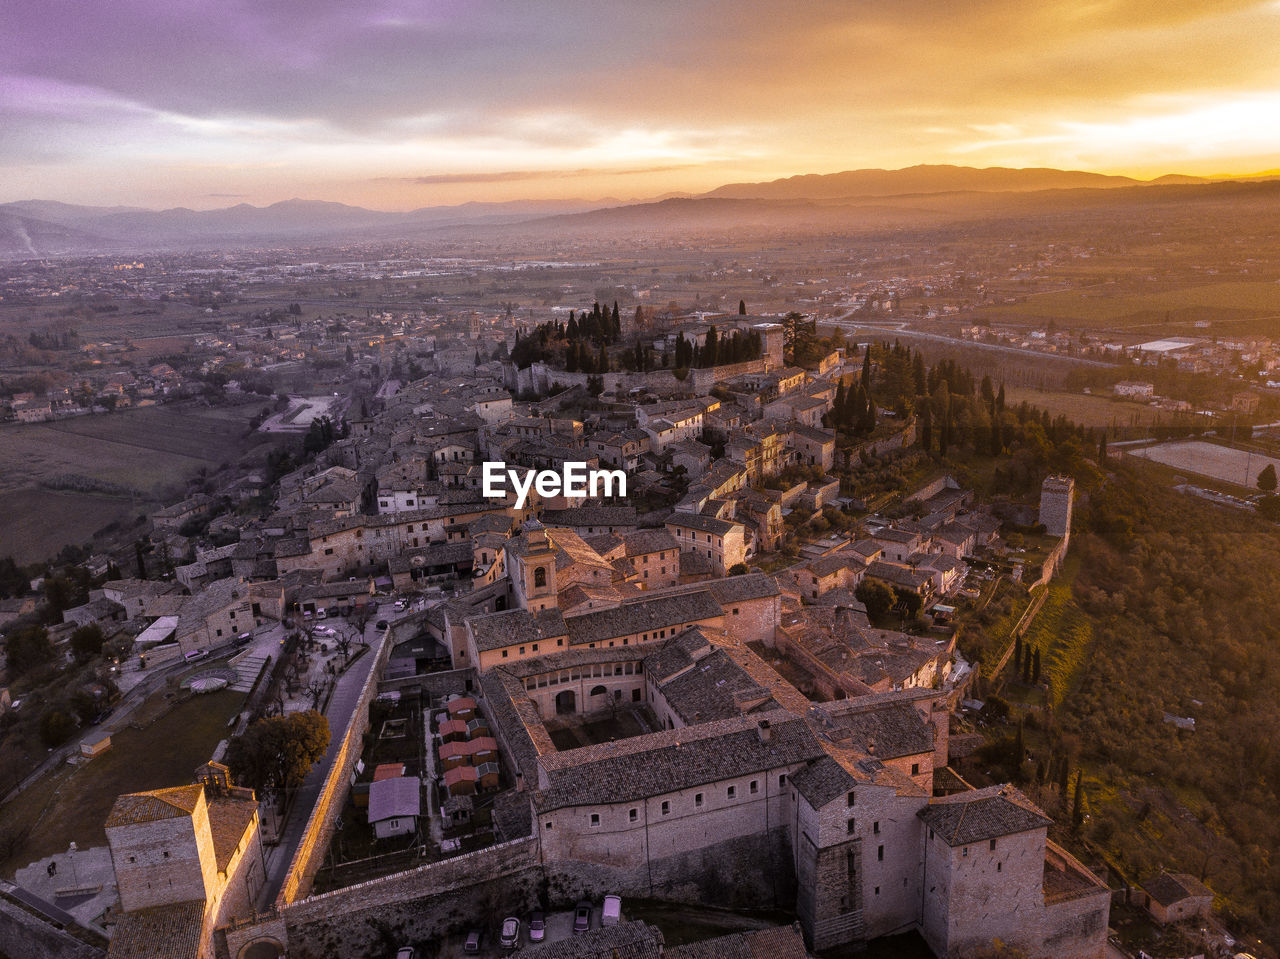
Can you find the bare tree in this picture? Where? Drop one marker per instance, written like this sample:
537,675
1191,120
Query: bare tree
316,690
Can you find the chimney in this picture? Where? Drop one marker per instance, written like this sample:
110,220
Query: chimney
764,731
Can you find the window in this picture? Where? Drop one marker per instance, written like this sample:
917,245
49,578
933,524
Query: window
595,819
880,854
915,769
852,826
521,650
850,798
535,647
166,854
875,827
782,780
697,800
539,577
504,654
965,851
666,809
999,867
993,845
755,786
633,814
732,792
735,609
877,890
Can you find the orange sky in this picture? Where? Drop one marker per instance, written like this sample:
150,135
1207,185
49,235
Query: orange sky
398,104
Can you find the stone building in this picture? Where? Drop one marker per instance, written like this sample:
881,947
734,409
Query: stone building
1056,495
186,859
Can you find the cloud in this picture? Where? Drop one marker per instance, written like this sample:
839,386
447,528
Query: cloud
510,176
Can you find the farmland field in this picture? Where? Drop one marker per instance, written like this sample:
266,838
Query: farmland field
1209,459
1120,308
146,456
37,523
1086,409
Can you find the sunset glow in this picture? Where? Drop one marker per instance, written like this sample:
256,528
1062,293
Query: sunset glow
396,104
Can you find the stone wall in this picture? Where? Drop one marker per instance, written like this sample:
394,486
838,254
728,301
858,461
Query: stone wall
435,685
29,936
419,904
750,872
333,795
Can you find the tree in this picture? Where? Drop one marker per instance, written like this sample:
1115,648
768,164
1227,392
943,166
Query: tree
55,727
738,569
27,648
876,596
1017,655
742,307
86,642
278,752
1269,508
1077,802
1267,479
1035,665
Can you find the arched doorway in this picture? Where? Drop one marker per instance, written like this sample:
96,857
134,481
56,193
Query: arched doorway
262,949
566,702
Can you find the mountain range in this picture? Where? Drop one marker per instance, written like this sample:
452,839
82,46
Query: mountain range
37,228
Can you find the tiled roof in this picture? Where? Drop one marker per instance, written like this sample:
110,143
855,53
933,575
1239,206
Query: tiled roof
648,541
701,523
982,814
515,626
151,806
1170,887
161,932
229,819
674,759
642,616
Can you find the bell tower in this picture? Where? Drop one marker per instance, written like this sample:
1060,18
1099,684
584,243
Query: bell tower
531,564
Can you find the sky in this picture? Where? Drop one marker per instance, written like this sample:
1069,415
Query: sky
399,104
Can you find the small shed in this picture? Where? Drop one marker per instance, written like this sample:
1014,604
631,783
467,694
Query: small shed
94,747
394,806
1174,896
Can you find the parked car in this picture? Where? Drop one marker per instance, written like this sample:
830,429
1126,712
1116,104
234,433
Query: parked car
321,614
332,610
473,941
611,914
537,926
380,624
581,917
406,952
399,604
510,932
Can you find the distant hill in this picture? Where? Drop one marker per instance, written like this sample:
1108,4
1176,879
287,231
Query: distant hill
917,196
919,179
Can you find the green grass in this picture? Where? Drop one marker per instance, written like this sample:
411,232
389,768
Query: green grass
1092,409
1062,632
1118,307
71,804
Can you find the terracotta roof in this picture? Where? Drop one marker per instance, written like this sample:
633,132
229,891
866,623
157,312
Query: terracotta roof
982,814
154,805
229,820
1170,887
161,932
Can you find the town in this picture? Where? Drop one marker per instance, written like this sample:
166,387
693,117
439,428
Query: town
754,668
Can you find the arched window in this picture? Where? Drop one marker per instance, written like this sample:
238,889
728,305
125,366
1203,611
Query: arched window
539,577
599,691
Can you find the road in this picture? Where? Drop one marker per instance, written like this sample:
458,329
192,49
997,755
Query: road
341,707
902,331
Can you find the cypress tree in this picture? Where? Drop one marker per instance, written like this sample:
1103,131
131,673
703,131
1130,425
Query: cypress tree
1077,812
1000,400
1064,777
1017,655
926,427
1035,665
742,307
1026,667
866,369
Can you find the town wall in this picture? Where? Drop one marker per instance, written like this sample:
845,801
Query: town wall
419,904
31,937
333,795
749,871
435,685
